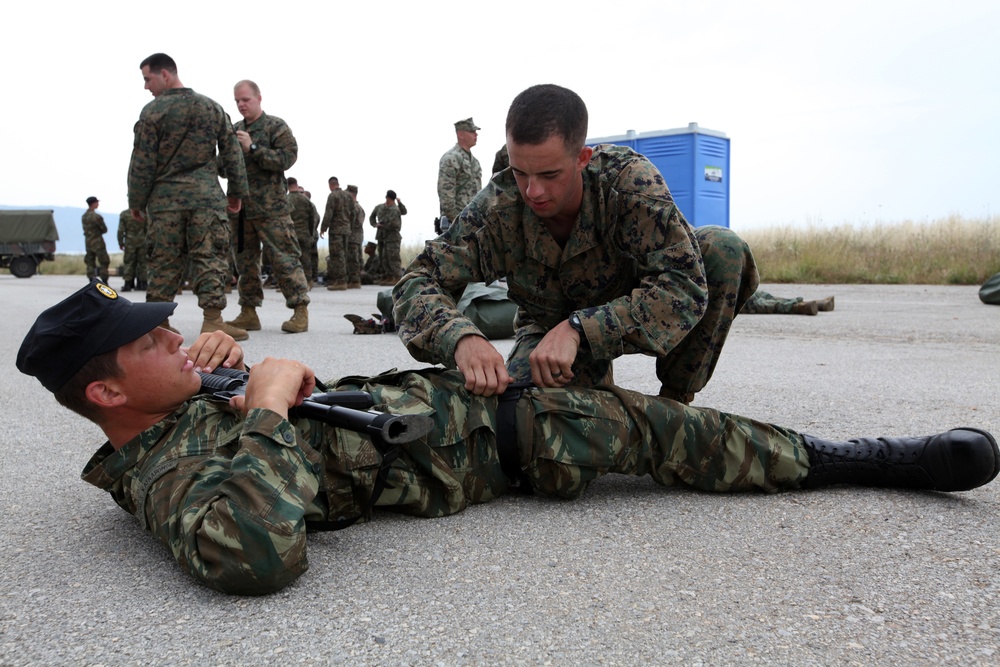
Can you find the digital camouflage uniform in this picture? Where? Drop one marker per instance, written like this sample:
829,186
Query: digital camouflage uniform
132,240
354,241
764,303
305,219
337,218
265,218
389,221
638,276
232,498
96,259
174,177
459,180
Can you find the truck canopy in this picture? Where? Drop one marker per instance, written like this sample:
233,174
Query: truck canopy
27,226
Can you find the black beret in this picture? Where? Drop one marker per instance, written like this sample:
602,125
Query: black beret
92,321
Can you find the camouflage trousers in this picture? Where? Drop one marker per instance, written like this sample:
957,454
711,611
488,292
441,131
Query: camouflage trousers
96,260
134,260
304,234
356,262
392,265
763,303
732,278
277,234
565,439
337,264
194,243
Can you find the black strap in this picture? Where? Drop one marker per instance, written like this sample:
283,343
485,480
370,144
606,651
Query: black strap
510,458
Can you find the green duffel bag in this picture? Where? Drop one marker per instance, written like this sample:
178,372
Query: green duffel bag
489,309
486,305
990,291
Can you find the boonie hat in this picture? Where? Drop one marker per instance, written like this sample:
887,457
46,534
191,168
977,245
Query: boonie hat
467,125
92,321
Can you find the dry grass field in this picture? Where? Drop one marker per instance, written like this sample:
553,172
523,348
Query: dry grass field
950,251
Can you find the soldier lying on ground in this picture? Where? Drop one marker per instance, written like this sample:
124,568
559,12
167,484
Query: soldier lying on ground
231,487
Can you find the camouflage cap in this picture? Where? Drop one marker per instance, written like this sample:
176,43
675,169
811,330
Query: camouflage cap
352,188
92,321
466,125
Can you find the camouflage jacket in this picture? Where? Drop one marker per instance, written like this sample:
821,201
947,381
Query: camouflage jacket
130,230
459,179
390,219
276,151
173,164
303,213
631,269
232,498
94,230
339,213
358,225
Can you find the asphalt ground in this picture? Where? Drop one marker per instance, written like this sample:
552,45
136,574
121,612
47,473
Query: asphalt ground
630,574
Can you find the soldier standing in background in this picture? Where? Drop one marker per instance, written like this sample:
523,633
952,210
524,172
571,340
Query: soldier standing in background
459,175
354,241
337,218
269,148
305,219
132,241
94,229
387,217
174,178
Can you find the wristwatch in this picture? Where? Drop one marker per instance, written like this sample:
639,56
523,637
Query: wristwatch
574,321
253,147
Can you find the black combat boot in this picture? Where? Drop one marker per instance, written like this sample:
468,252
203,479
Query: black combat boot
128,286
957,460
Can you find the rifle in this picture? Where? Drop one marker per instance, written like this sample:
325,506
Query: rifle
342,409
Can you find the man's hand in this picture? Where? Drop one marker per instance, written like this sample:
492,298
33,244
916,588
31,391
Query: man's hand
552,359
214,350
136,214
244,140
276,385
483,367
234,205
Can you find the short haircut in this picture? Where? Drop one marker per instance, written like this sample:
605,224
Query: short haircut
73,394
158,62
334,179
247,82
291,180
548,110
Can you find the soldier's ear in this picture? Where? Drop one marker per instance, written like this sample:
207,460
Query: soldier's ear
105,394
583,159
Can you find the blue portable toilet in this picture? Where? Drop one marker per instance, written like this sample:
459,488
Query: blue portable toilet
695,163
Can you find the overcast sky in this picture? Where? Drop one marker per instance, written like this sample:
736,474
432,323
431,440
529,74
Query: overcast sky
857,112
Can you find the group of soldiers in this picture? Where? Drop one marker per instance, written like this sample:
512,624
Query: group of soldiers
182,228
344,220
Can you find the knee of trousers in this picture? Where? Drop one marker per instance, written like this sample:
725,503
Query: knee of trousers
727,259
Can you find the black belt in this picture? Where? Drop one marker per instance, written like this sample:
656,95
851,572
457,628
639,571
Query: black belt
510,458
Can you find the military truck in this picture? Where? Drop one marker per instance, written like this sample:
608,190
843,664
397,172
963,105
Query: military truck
26,239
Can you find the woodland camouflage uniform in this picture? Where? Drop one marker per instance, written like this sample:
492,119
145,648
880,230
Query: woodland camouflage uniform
233,498
96,259
337,218
389,221
459,179
264,218
305,219
174,177
132,240
638,276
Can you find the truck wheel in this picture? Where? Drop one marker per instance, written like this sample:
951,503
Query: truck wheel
23,266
